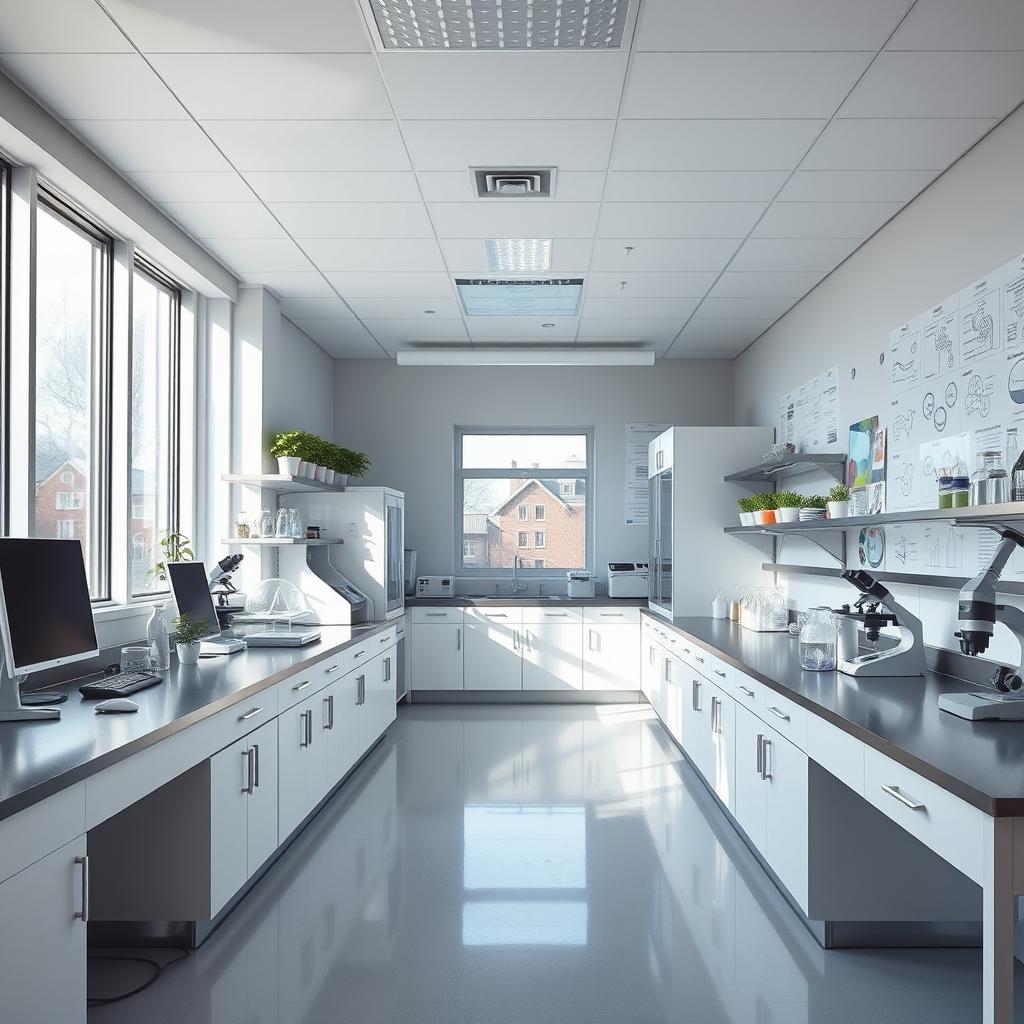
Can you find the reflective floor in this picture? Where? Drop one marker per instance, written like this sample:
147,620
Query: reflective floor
526,865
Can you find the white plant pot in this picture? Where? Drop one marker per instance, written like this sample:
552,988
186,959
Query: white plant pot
787,515
758,517
309,470
329,477
747,518
838,509
320,474
341,479
288,465
188,654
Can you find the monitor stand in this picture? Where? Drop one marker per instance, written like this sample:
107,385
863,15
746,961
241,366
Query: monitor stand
11,708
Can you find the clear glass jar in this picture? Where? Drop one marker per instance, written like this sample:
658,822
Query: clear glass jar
266,523
945,492
960,487
818,641
294,523
990,484
283,526
242,530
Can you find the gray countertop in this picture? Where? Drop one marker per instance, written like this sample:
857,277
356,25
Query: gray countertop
41,758
981,762
470,602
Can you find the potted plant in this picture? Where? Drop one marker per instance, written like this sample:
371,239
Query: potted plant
187,634
762,509
747,507
345,462
813,507
787,505
839,502
175,547
286,447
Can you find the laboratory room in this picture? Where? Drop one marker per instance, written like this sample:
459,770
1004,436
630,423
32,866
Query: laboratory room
511,512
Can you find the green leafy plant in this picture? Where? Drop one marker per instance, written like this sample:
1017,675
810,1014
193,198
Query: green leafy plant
747,504
788,499
189,631
762,502
347,461
287,444
174,547
814,501
839,493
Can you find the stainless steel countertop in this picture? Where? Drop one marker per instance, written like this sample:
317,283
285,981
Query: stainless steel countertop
38,759
980,762
534,601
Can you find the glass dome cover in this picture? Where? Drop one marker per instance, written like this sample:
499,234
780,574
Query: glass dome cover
277,599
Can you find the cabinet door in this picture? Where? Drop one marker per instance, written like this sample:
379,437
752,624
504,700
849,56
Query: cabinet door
552,656
751,792
348,719
673,685
317,784
261,833
649,668
42,941
695,694
230,777
293,745
493,660
437,656
723,747
786,817
611,657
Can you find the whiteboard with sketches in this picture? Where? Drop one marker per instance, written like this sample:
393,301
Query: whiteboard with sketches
809,415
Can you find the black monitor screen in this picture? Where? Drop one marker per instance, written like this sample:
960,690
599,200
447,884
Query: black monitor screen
192,594
46,597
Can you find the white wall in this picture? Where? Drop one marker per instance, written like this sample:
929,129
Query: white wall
404,418
965,224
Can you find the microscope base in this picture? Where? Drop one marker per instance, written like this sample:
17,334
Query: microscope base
977,707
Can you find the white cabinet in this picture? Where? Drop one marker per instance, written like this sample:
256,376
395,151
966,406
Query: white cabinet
611,657
552,656
751,793
696,716
493,655
650,668
723,747
302,753
43,940
379,697
437,655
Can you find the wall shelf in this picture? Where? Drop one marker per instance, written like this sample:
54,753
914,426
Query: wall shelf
912,579
793,465
279,542
280,482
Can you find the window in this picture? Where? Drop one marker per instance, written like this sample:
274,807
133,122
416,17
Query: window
69,499
5,283
72,386
504,475
154,422
470,550
67,477
66,529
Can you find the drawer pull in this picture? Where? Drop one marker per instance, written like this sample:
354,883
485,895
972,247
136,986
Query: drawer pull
556,615
83,914
385,639
779,714
437,615
697,657
249,714
301,686
611,615
894,792
495,615
719,672
358,654
332,669
743,689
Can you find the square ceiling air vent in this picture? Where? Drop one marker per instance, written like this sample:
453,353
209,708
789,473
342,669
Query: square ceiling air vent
514,182
501,25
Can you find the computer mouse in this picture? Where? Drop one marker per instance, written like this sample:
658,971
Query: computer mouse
116,705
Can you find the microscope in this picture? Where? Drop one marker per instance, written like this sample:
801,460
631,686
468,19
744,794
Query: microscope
978,613
223,589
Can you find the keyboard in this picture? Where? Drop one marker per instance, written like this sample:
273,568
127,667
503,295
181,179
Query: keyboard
119,685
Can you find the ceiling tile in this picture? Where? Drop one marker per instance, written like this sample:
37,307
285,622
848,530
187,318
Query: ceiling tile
521,328
311,145
777,284
743,308
93,85
713,145
693,186
938,85
59,26
704,348
467,255
290,284
374,254
334,186
322,307
631,285
221,86
458,145
354,220
249,256
238,26
192,186
779,25
344,351
649,329
740,84
793,254
678,220
636,309
516,84
133,146
369,308
390,332
385,285
661,254
735,328
855,186
225,220
960,25
340,328
458,187
494,218
894,143
824,220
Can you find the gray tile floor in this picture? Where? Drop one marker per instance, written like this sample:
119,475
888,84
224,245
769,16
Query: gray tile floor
526,865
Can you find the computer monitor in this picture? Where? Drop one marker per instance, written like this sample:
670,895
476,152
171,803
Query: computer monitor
45,615
192,595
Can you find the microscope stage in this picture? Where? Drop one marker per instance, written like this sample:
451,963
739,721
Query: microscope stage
977,707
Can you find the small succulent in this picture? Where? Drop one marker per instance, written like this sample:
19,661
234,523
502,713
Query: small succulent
747,504
839,493
815,501
763,502
189,631
788,499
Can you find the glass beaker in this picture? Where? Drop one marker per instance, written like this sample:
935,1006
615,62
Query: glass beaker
990,484
818,641
266,521
283,526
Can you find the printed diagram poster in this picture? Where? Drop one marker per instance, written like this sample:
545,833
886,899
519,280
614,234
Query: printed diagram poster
1013,302
638,437
980,321
903,548
809,416
940,341
904,357
904,480
983,387
943,550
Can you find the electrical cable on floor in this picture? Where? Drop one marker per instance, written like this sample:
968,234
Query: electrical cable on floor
158,969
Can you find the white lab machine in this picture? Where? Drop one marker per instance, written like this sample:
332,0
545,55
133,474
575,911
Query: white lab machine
362,577
627,579
435,586
579,584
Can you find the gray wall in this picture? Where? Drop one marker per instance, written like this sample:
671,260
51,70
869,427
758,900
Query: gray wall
404,418
965,224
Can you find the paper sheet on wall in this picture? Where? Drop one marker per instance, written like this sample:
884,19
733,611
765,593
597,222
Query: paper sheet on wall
809,416
638,437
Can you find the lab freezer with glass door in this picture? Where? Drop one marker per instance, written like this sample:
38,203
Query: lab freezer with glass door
691,558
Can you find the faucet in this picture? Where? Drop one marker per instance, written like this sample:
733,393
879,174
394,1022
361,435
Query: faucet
517,587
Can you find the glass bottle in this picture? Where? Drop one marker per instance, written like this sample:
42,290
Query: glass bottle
818,642
990,485
266,523
159,639
282,527
295,523
242,526
1015,460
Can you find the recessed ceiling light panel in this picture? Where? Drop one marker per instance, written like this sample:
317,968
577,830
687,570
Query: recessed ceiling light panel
517,297
500,24
518,255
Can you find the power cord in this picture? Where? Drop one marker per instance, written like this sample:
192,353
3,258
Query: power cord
158,969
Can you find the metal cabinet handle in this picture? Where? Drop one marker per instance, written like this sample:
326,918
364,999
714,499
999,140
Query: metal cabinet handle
328,710
697,657
590,640
361,699
332,669
759,765
385,640
306,725
249,714
495,615
358,654
668,671
766,749
515,639
387,670
256,769
249,781
301,686
611,615
83,914
743,689
894,792
437,615
556,615
779,714
696,695
458,639
719,672
716,715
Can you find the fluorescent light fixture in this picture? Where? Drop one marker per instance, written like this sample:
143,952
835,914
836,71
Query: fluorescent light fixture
549,297
506,25
518,255
526,356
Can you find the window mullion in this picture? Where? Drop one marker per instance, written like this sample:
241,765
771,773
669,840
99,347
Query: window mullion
121,437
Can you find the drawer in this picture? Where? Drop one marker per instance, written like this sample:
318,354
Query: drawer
509,614
696,657
598,615
721,674
556,613
837,752
436,615
309,680
785,716
943,822
749,693
384,641
38,830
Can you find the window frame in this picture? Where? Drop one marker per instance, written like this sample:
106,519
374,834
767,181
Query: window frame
539,539
461,474
540,514
6,173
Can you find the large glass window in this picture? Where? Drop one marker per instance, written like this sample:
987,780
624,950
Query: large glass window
155,318
72,385
503,475
5,323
